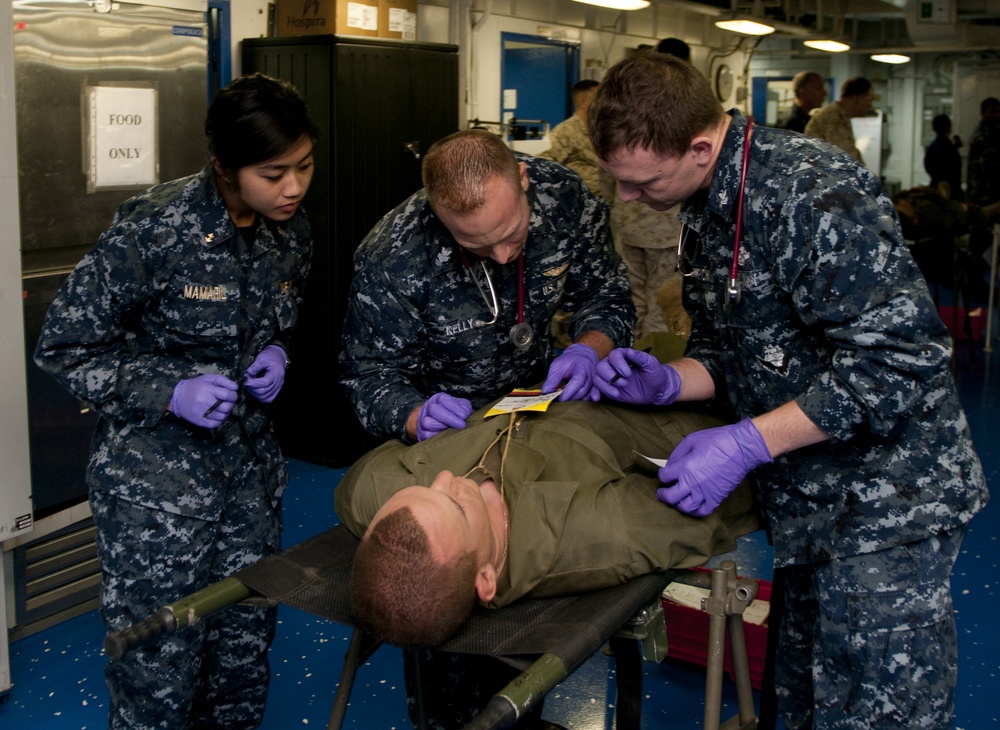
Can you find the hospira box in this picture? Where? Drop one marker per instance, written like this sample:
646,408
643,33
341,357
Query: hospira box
320,17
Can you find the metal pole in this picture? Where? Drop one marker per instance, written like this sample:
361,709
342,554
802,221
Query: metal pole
988,347
725,604
741,667
360,648
714,605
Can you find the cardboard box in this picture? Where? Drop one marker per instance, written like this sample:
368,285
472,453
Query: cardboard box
397,19
321,17
687,636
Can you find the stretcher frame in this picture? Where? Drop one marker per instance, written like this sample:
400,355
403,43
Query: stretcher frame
546,639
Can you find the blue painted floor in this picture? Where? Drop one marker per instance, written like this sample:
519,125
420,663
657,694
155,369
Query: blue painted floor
58,680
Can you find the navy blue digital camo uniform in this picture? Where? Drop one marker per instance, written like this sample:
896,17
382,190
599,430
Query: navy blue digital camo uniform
835,315
165,295
416,320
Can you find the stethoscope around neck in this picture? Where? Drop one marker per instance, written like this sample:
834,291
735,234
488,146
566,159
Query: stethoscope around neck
733,288
521,334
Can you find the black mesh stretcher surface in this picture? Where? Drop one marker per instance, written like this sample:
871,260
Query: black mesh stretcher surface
313,576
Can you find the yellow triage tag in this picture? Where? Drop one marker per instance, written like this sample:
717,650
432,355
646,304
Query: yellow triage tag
523,400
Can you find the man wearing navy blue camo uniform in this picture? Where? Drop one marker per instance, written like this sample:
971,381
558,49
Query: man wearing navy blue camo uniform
175,328
450,307
825,341
454,290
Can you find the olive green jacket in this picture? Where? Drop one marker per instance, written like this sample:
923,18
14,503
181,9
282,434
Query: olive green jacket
583,510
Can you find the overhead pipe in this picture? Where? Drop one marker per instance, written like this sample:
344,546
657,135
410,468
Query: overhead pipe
465,30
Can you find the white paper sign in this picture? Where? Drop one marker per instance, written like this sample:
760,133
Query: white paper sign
404,22
362,16
868,138
122,137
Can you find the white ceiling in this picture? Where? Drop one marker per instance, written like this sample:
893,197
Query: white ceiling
953,25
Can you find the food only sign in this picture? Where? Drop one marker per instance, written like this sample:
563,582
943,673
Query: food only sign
122,138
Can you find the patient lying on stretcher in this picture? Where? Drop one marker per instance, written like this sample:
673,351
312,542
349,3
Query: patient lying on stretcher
524,504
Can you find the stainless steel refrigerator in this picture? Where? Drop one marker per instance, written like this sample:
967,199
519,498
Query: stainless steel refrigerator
110,99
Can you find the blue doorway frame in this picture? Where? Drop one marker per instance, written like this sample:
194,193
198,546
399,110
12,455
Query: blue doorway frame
540,72
220,54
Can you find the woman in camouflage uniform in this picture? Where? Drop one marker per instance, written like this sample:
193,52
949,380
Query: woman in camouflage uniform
174,328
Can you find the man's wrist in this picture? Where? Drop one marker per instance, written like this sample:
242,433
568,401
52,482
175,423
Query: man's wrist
597,341
410,427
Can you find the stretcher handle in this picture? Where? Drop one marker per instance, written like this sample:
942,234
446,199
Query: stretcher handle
498,714
117,643
508,705
184,612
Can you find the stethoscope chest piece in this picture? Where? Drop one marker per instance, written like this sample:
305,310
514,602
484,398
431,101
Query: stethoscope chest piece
522,335
733,292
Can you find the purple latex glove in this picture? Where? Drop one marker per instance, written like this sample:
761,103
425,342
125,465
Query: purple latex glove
439,412
205,400
707,465
633,376
266,374
576,365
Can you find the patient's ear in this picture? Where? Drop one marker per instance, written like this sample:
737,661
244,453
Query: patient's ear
486,583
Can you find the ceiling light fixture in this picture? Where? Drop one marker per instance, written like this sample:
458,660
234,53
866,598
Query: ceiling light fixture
827,44
744,25
890,58
618,4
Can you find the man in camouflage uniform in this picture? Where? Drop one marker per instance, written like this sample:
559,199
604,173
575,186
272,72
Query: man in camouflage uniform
830,351
645,238
570,144
175,327
441,290
810,91
832,123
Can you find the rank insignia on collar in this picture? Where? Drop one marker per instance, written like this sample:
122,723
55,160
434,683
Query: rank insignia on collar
285,287
209,237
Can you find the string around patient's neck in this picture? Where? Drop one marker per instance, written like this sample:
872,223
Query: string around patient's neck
503,499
